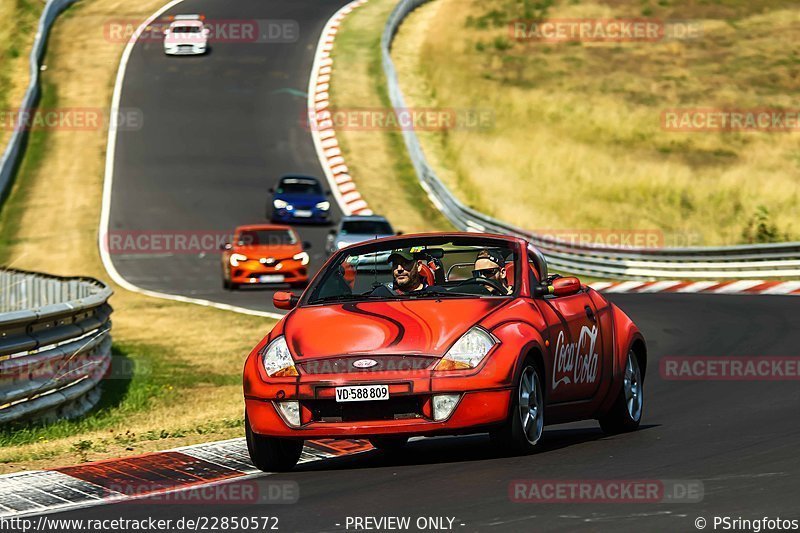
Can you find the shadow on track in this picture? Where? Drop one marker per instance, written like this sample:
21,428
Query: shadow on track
442,450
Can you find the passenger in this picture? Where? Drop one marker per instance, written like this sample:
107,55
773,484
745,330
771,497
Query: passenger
490,264
405,270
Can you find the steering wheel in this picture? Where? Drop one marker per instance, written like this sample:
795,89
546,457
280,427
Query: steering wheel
486,282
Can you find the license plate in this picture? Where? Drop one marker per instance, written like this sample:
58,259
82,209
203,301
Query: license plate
303,214
362,393
271,278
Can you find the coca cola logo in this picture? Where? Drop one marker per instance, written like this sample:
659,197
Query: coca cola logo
575,362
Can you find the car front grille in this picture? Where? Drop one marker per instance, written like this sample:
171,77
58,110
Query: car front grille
384,363
398,408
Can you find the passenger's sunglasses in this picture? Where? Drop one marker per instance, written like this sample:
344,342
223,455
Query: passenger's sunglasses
485,273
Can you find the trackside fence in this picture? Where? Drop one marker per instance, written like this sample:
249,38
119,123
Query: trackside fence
55,344
756,261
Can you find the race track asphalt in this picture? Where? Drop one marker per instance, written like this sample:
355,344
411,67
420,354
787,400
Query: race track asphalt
740,439
218,130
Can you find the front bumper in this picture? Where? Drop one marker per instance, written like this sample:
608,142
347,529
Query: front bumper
285,215
484,402
475,411
185,50
253,272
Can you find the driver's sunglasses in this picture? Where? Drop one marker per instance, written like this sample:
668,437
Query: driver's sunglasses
485,273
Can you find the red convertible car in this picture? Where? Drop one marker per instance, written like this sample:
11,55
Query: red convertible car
437,334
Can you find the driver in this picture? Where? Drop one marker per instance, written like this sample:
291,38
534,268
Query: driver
490,264
405,270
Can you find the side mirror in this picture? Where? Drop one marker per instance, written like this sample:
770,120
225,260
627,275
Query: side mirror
226,246
272,190
285,300
166,32
327,192
332,233
399,233
566,286
306,245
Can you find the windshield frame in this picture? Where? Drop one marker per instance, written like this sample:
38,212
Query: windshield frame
344,232
312,185
432,241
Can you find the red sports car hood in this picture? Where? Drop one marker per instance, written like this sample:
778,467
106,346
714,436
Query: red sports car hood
394,327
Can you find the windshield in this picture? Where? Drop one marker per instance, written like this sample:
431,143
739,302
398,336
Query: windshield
186,29
439,268
265,237
299,186
366,227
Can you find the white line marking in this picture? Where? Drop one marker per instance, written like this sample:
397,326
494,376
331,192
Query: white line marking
659,286
698,286
626,286
784,288
738,286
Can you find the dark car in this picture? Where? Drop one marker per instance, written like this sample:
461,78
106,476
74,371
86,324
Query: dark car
298,199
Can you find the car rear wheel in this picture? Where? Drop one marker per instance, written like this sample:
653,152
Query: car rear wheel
523,430
626,414
389,444
272,454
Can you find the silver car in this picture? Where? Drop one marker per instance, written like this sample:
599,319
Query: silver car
354,229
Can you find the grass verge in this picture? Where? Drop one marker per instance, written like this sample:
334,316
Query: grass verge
17,34
377,157
187,387
577,141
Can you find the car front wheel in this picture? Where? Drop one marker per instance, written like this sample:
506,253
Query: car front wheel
626,414
272,454
523,430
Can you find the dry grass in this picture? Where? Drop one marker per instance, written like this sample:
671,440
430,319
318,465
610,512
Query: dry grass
588,117
17,33
377,159
191,356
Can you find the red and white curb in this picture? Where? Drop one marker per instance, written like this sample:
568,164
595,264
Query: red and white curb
151,475
700,287
320,120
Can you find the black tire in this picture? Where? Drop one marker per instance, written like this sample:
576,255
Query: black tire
272,454
626,413
512,435
389,444
226,284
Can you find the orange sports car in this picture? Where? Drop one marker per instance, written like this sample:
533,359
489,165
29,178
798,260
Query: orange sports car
264,254
439,334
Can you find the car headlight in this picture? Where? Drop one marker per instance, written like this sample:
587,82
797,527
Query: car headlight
277,360
324,206
280,204
302,257
237,258
468,351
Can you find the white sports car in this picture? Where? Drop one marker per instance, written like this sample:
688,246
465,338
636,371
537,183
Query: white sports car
187,35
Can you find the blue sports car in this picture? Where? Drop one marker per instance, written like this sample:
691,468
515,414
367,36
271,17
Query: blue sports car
298,199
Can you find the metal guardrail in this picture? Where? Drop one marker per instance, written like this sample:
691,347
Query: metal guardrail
746,261
16,143
55,344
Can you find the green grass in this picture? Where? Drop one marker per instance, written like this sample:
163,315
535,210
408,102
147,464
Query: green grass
158,380
577,141
378,160
19,18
